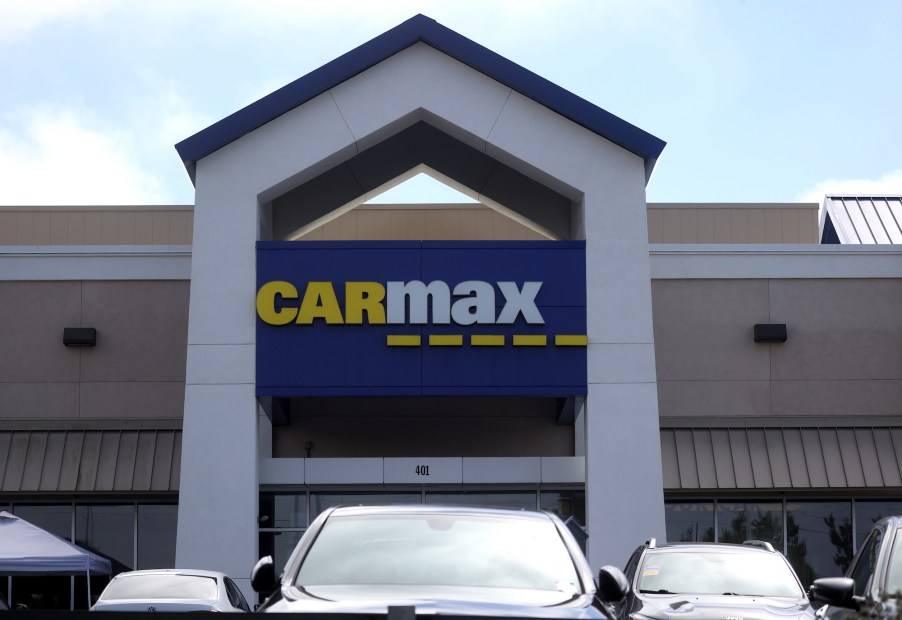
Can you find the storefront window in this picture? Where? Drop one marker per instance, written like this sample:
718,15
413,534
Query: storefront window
819,538
283,519
321,501
501,499
54,518
867,513
741,521
565,504
279,545
156,535
689,521
279,510
109,531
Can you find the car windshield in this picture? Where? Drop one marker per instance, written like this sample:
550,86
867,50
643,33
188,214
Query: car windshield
440,553
702,572
160,587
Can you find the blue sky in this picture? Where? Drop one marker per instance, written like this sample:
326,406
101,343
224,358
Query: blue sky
758,100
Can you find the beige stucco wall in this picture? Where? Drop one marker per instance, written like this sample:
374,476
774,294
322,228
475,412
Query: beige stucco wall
732,223
843,355
419,222
144,225
682,223
136,371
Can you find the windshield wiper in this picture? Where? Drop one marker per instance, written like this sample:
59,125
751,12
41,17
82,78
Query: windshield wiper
656,592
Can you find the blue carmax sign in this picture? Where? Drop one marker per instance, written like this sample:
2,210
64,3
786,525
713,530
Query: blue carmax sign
430,318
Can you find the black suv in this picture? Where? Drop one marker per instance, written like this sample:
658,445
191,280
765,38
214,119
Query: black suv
873,583
712,581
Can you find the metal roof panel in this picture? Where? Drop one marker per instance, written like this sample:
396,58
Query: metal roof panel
779,463
688,464
71,462
862,219
867,453
723,459
886,457
850,453
758,454
51,461
795,456
704,452
742,458
125,461
781,458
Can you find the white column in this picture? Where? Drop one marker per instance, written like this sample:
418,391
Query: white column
217,522
624,483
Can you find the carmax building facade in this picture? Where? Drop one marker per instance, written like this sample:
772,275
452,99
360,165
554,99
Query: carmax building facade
191,385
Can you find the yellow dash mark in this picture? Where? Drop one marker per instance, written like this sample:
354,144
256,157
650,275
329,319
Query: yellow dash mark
486,341
567,340
530,341
403,341
436,340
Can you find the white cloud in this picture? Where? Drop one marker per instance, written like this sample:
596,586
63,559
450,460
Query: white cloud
59,158
888,184
19,17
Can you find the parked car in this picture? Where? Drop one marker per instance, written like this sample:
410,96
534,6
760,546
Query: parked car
171,590
373,560
873,582
716,581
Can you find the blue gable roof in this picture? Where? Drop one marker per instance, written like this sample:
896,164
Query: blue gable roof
420,29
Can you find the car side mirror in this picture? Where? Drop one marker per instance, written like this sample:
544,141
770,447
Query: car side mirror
263,577
612,584
836,591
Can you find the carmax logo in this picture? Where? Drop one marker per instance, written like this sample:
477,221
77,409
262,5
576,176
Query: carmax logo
472,302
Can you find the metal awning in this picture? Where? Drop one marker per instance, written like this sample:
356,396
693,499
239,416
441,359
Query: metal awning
135,461
781,458
90,460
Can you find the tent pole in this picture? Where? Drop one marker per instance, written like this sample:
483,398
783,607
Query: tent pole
89,588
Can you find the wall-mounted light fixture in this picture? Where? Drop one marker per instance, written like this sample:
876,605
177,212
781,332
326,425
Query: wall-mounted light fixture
79,336
770,332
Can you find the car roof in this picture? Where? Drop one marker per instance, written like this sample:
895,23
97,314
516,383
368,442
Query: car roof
891,521
400,509
191,572
709,546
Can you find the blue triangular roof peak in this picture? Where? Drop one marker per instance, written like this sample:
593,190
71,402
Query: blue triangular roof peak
420,28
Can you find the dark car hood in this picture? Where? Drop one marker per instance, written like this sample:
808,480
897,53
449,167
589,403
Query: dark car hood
719,607
295,602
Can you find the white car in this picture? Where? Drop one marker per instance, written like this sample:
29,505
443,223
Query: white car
428,561
171,590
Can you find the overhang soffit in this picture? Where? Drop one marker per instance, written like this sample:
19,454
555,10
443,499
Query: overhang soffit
418,147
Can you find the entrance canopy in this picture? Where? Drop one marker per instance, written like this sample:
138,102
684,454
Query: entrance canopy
27,549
